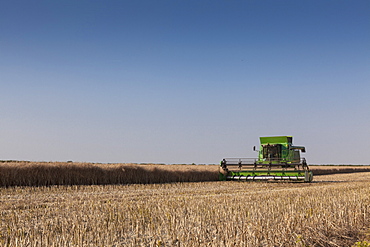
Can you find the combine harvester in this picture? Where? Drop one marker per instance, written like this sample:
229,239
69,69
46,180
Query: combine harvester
277,159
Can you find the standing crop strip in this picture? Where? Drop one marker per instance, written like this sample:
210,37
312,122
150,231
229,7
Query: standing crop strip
24,173
63,173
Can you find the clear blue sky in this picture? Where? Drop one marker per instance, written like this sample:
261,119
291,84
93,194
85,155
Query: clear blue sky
172,81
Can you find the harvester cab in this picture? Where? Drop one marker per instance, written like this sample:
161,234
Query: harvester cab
277,159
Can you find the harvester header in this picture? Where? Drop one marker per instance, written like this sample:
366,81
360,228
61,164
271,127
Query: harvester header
277,159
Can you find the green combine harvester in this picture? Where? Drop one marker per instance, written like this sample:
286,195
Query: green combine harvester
277,159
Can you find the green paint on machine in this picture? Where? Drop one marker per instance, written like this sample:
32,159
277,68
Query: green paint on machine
278,159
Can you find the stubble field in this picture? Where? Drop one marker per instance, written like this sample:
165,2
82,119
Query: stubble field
334,210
